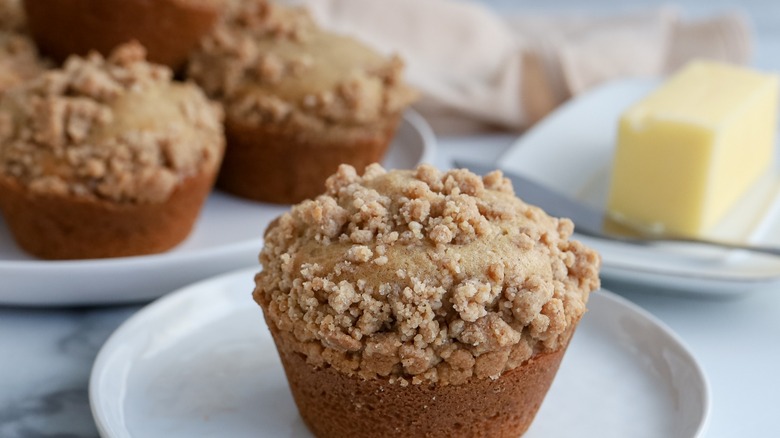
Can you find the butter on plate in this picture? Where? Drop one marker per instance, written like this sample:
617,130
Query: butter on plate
688,151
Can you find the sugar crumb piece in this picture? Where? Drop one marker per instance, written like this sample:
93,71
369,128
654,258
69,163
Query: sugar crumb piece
359,254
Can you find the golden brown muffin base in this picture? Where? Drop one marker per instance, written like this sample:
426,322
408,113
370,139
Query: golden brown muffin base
279,164
169,29
333,404
63,227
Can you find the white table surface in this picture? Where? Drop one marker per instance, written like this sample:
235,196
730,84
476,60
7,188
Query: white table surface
46,355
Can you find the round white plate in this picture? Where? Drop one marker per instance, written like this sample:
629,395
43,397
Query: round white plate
200,362
571,151
227,236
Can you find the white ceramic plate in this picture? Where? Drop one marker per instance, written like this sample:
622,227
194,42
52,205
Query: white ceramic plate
200,362
571,151
227,236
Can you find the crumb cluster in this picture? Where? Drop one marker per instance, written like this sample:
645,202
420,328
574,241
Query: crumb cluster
270,63
422,276
117,129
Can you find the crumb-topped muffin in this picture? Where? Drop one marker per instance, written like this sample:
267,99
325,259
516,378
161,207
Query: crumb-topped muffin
19,59
421,303
299,100
106,157
169,29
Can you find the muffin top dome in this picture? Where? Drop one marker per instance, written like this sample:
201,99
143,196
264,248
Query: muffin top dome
423,276
116,129
272,63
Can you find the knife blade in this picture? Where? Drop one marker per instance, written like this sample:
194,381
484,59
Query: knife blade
594,222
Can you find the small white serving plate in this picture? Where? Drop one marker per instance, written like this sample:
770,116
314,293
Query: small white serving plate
201,363
227,236
571,151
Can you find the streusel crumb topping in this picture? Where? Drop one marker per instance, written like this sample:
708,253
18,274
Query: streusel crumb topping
116,129
422,276
271,63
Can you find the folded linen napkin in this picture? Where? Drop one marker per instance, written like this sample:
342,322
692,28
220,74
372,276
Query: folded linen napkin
478,69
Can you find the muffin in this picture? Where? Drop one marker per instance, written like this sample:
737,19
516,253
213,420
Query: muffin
169,29
298,100
420,303
106,157
19,60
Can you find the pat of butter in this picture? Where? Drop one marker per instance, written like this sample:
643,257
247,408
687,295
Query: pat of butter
689,150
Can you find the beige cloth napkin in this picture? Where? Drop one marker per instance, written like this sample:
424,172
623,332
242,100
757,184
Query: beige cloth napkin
478,69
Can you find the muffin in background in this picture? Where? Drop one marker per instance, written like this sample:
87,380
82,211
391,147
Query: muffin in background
169,29
421,303
106,157
298,100
19,59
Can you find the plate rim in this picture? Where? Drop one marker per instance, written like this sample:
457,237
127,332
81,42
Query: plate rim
176,297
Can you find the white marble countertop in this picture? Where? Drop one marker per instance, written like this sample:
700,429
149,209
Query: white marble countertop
47,354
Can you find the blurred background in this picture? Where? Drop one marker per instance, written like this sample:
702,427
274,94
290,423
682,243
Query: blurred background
763,15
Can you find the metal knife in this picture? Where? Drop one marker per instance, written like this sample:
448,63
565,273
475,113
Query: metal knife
593,222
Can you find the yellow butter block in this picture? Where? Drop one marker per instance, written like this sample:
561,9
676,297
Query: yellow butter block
688,151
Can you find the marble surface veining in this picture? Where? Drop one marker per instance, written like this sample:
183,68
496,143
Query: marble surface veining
45,361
